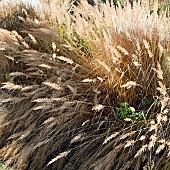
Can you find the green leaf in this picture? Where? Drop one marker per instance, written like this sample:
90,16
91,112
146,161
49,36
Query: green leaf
124,105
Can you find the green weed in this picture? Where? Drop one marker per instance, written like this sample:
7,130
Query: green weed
124,111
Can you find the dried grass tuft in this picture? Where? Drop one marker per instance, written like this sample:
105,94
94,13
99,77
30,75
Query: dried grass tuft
65,85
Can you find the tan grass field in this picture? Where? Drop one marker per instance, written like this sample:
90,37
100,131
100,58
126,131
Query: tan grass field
85,87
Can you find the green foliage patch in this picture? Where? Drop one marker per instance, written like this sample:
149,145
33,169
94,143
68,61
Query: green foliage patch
125,111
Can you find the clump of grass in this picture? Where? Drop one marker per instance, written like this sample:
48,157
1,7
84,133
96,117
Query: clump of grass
11,14
123,46
63,97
